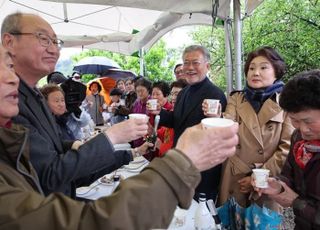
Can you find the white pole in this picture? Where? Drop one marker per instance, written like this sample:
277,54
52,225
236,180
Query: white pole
237,44
228,59
141,55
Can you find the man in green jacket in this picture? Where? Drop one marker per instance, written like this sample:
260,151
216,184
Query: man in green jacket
145,201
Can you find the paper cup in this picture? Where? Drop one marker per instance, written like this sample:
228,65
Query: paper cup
213,106
152,104
122,102
261,176
216,122
138,116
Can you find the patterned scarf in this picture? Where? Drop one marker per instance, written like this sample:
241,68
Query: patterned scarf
257,97
303,151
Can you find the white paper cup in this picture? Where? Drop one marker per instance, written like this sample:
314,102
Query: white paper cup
122,102
138,116
261,176
152,103
213,106
216,122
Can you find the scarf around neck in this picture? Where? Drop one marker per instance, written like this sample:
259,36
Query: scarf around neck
303,151
257,97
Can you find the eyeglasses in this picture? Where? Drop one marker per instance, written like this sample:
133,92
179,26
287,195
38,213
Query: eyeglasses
44,40
193,63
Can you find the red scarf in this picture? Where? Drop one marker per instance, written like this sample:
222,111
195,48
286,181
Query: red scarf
304,150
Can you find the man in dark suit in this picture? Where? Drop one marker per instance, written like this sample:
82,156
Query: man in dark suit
35,50
188,108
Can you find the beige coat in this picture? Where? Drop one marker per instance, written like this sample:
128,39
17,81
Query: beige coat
263,138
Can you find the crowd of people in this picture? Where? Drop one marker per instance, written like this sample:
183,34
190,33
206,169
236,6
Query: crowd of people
46,154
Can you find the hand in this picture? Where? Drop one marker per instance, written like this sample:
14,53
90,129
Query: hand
128,130
285,198
154,112
158,143
207,148
274,186
205,109
245,184
142,149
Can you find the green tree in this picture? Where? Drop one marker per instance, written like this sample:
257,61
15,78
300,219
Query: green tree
290,26
213,40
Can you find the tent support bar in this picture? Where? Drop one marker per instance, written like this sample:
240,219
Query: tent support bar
228,59
237,44
141,59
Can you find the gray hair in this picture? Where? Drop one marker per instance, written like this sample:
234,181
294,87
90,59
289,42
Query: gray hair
200,48
11,23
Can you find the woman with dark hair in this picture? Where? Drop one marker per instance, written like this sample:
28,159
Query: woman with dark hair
95,103
299,184
143,89
264,128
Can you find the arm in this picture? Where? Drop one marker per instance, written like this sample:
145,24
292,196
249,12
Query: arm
171,180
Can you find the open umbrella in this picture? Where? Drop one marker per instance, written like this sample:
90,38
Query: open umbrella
118,74
95,65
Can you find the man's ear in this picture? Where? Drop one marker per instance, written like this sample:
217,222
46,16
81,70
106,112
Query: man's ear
8,42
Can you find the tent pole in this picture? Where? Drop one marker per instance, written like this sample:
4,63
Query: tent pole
228,59
141,59
237,43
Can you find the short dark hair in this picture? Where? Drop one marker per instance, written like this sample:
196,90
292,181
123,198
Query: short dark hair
181,83
302,92
272,55
143,82
119,80
95,82
176,66
163,86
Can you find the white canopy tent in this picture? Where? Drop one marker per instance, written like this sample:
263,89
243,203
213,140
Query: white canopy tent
109,24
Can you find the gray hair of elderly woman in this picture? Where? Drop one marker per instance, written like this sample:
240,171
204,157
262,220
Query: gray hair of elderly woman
200,48
11,23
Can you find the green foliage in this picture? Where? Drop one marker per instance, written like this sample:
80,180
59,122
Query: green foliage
159,62
213,40
290,26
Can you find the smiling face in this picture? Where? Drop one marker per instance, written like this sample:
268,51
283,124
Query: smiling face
9,83
308,122
56,103
31,59
195,66
261,73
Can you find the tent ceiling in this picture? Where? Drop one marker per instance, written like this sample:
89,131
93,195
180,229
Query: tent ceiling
108,24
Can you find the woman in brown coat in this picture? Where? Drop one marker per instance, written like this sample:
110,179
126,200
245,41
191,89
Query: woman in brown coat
264,128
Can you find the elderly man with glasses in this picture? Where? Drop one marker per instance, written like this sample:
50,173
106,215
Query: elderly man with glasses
35,50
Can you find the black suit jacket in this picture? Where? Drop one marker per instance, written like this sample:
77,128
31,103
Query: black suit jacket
61,169
188,112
